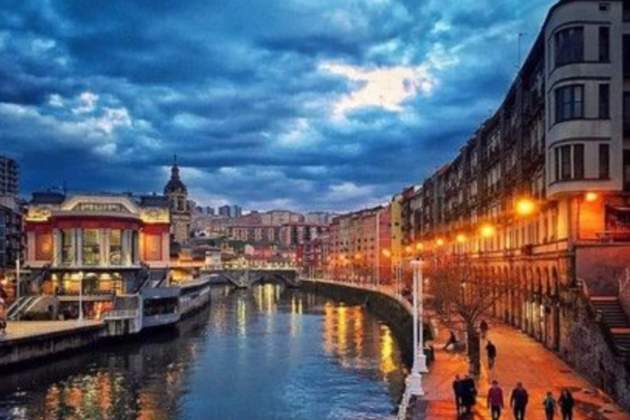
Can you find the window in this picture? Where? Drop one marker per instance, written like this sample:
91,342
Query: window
578,161
604,44
604,161
626,55
569,162
67,248
626,114
569,102
115,247
565,162
569,46
91,247
604,101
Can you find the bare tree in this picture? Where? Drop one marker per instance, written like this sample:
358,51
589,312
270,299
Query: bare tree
462,297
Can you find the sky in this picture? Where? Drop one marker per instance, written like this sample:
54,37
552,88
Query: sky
297,104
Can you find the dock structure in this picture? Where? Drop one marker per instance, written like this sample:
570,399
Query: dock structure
28,340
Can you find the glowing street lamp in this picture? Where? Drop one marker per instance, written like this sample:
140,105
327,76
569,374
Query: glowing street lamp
487,230
419,246
525,206
387,253
591,196
408,249
439,242
460,238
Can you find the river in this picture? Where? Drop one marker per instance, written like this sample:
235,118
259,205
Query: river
264,353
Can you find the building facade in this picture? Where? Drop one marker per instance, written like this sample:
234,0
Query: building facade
9,177
538,199
11,238
101,241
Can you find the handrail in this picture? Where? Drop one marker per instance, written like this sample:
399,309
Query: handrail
120,313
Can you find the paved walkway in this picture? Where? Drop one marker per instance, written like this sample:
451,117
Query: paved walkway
520,358
21,329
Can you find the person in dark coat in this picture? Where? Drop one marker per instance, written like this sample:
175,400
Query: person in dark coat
518,401
495,400
483,326
457,392
566,403
491,350
468,393
451,340
549,405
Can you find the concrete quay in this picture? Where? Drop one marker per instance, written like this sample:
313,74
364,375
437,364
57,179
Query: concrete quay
28,340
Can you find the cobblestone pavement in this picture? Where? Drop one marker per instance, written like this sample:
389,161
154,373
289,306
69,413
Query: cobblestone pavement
20,329
520,358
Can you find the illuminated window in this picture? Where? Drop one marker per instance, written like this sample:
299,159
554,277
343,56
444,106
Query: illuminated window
91,247
115,247
67,248
43,247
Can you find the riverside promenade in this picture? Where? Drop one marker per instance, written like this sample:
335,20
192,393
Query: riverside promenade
520,358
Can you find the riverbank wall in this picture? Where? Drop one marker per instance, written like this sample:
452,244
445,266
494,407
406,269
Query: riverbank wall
393,311
47,342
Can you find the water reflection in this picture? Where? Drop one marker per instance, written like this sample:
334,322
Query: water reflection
267,353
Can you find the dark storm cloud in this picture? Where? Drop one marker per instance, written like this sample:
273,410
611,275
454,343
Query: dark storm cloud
306,104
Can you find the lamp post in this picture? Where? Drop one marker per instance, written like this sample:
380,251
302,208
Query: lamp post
414,380
81,296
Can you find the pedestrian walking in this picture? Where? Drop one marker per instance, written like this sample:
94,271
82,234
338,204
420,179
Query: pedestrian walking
491,350
483,326
518,401
550,406
495,400
468,393
566,403
451,340
457,391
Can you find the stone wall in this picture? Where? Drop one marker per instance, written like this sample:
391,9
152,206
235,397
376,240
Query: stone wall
388,309
600,267
590,353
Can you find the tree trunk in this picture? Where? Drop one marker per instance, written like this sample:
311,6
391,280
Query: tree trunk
474,350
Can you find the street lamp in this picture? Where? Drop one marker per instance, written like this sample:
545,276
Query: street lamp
414,380
80,295
591,196
487,230
525,206
439,242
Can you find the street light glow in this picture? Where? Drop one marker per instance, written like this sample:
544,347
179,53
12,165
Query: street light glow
461,238
387,253
487,230
591,196
408,249
419,246
525,206
439,242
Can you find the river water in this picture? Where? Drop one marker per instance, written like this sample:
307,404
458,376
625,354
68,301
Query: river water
264,353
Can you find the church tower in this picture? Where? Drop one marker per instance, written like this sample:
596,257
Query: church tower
177,194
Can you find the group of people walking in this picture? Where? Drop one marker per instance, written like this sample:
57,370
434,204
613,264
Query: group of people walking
466,394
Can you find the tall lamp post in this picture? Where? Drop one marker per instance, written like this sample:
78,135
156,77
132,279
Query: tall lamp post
414,380
81,296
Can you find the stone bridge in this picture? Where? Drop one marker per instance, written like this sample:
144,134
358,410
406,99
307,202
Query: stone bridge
244,278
